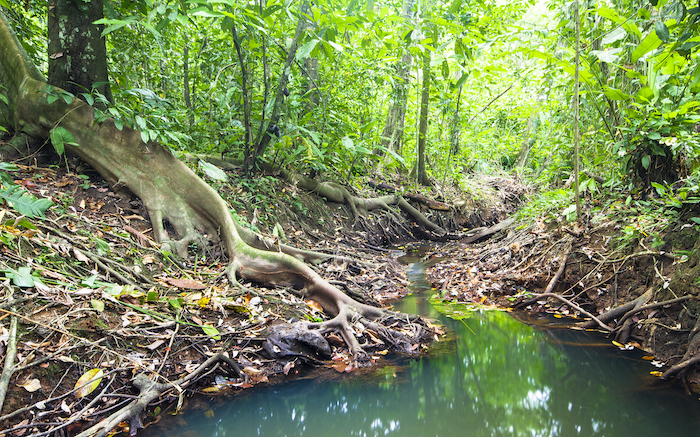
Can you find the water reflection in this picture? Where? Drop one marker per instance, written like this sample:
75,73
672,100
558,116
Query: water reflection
497,377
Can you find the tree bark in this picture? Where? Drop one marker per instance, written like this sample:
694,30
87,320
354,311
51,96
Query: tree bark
77,52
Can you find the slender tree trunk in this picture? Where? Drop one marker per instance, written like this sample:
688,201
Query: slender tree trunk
421,174
392,134
261,147
246,101
77,52
576,111
186,81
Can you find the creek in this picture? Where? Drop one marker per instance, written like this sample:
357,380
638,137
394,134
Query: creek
492,376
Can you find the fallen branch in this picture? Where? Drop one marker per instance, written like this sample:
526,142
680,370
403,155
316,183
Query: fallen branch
9,367
488,231
574,306
615,312
148,391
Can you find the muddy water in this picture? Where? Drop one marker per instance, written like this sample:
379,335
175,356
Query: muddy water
495,377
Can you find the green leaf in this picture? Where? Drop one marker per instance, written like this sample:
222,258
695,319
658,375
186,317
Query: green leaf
213,171
211,332
99,305
649,43
305,50
4,3
102,246
176,303
60,136
615,94
89,98
646,161
25,203
22,277
661,31
8,166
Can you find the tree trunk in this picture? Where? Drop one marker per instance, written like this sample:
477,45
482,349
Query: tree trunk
186,81
421,174
261,147
173,194
77,53
392,135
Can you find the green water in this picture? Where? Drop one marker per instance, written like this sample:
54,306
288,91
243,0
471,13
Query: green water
496,377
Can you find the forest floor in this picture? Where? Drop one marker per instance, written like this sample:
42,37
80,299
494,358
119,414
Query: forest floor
96,302
94,297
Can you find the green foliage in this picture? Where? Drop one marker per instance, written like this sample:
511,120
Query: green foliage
24,202
60,137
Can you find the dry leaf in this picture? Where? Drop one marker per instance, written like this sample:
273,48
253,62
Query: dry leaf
315,305
149,259
65,407
155,345
31,385
84,386
186,283
80,256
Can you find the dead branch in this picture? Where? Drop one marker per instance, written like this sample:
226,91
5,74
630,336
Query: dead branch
9,367
615,312
572,305
149,390
488,231
560,271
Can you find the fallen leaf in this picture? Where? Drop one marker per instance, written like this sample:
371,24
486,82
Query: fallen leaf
315,305
65,407
185,283
88,382
31,385
155,345
80,256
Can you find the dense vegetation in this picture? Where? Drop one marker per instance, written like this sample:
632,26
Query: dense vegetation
593,104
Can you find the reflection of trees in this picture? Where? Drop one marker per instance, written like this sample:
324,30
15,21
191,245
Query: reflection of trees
501,378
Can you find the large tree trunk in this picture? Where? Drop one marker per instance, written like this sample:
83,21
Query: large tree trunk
174,194
77,53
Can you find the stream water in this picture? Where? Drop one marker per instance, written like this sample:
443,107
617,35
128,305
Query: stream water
496,377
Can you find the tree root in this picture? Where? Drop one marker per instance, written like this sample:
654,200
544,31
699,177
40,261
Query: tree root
377,328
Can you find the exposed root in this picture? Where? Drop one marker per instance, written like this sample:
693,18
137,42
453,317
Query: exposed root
363,329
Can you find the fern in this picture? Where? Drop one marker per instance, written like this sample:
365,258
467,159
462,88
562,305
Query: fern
25,203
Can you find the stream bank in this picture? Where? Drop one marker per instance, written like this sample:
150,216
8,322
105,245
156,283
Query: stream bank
642,290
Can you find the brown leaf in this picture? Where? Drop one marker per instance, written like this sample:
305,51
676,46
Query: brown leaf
185,283
315,305
155,345
31,385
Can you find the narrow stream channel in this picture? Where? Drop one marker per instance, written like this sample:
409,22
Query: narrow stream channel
497,377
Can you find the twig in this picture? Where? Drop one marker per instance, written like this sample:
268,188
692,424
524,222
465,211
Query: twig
576,307
148,391
9,367
654,305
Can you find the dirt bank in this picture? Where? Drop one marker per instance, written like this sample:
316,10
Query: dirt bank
641,288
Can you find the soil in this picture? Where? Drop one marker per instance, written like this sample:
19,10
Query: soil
105,298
